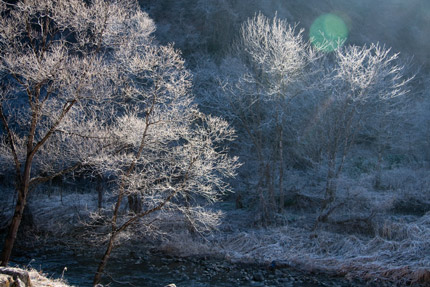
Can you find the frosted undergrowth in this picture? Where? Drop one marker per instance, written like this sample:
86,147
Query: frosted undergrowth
60,214
293,243
398,246
38,279
398,249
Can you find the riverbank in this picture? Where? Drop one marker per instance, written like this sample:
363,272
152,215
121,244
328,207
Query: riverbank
398,256
393,252
151,268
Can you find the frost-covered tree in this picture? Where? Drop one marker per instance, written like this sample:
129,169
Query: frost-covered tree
54,62
85,87
173,159
276,58
291,98
356,90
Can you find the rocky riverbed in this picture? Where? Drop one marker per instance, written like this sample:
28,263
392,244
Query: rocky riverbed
229,257
152,268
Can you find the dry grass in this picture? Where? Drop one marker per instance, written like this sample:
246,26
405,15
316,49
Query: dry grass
38,279
397,249
397,255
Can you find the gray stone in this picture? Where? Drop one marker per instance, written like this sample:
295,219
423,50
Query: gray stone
185,277
258,277
19,283
17,275
257,284
5,280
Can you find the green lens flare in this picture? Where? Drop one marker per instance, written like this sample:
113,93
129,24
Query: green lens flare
328,32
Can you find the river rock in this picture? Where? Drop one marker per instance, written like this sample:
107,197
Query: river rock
257,284
20,277
258,277
5,280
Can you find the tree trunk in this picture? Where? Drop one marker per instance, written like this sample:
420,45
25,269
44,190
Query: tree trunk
330,191
188,216
270,203
281,170
14,226
378,174
99,189
104,260
134,203
23,184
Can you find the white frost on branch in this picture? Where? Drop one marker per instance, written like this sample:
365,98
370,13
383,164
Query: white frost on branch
85,87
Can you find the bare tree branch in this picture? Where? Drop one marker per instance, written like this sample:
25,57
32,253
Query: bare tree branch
11,141
39,180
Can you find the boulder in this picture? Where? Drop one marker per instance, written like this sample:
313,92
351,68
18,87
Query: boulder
258,277
20,278
5,280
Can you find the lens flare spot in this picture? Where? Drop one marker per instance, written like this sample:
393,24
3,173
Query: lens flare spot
328,32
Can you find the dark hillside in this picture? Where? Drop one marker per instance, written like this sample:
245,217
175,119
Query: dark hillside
200,26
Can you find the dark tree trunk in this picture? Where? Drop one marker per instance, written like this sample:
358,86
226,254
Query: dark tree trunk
330,191
331,184
281,170
23,184
378,174
104,260
99,188
134,203
14,226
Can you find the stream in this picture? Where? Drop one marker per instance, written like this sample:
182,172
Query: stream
157,269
